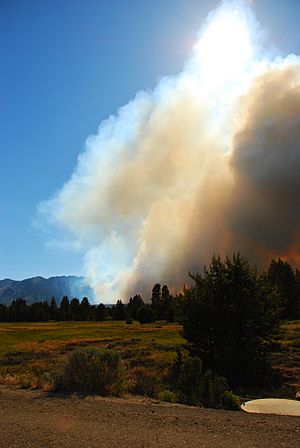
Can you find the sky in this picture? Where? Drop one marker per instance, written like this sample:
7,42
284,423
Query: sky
65,67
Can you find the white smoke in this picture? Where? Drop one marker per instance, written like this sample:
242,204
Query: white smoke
206,163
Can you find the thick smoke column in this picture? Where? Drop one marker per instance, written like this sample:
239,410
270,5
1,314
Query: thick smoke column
205,164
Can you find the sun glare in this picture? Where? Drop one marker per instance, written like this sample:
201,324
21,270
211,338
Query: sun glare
225,48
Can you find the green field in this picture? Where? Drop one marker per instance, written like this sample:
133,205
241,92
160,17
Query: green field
30,352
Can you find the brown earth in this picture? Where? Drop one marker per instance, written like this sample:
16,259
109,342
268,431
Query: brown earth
34,419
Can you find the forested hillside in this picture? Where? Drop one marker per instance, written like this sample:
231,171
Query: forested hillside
40,288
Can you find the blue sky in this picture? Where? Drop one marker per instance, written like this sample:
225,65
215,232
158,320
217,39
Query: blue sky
67,65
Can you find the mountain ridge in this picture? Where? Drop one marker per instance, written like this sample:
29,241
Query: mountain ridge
34,289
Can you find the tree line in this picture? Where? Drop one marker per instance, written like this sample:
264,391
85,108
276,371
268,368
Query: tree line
280,276
163,306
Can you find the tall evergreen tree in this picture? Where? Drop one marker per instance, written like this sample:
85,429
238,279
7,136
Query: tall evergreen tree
165,302
53,309
119,311
145,314
85,309
18,311
65,309
75,309
297,316
231,319
134,304
101,312
155,299
3,313
281,274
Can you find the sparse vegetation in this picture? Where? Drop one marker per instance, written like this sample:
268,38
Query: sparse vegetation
144,381
32,353
198,387
168,396
91,370
231,402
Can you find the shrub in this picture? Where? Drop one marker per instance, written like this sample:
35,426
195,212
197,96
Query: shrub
24,380
168,396
212,389
231,402
91,370
45,381
176,366
140,360
197,387
144,382
188,380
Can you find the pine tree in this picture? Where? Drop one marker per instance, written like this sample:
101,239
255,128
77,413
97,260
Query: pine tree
155,299
53,309
281,274
231,319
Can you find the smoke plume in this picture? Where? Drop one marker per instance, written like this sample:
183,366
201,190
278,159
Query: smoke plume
206,163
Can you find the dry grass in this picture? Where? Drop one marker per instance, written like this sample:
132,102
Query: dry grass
31,352
288,359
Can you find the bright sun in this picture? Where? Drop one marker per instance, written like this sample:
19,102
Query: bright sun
225,47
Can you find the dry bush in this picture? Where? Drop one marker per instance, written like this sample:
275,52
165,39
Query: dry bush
144,382
91,370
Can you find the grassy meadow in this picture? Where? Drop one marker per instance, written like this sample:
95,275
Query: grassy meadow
31,352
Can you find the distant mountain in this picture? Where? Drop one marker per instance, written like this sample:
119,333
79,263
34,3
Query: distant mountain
39,288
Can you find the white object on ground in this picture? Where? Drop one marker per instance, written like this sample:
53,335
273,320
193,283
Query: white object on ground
278,406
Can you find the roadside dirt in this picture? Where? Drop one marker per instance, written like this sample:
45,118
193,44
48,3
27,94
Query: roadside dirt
33,419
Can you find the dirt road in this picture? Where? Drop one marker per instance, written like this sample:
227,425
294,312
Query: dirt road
35,420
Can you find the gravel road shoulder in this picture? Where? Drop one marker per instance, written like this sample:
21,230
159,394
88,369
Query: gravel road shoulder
33,419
